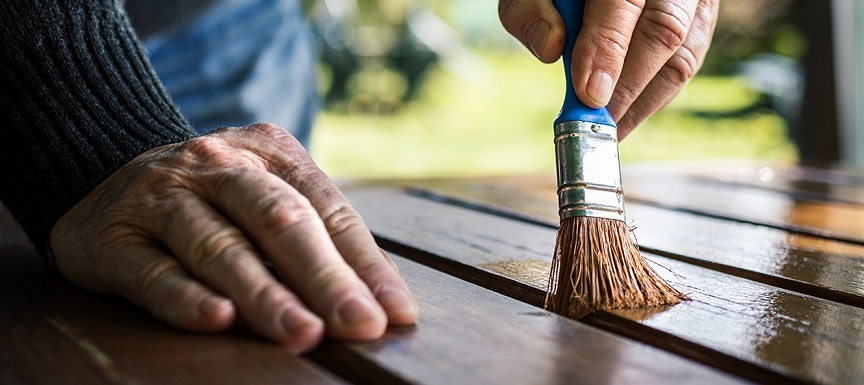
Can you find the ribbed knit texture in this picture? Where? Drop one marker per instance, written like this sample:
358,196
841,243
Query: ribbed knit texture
78,100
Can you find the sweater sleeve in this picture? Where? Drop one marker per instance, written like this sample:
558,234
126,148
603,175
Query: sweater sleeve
78,99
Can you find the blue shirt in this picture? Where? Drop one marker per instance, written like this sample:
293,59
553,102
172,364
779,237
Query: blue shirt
241,62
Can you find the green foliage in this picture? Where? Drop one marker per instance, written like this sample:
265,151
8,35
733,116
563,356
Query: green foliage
498,121
747,28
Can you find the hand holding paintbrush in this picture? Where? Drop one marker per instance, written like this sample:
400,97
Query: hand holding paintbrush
645,50
596,264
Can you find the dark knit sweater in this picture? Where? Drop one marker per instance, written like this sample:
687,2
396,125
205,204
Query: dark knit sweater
78,100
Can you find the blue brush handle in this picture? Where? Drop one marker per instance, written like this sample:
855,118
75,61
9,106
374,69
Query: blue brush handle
572,12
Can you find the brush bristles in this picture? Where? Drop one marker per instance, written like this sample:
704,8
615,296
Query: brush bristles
597,266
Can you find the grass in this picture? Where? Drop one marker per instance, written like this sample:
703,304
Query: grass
495,118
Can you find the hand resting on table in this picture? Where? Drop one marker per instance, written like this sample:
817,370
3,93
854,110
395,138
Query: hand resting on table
189,232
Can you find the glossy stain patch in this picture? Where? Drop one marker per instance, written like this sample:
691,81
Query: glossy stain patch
531,271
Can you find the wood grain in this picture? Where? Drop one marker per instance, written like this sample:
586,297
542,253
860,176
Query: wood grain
467,334
839,221
798,181
773,327
781,182
52,332
816,266
742,320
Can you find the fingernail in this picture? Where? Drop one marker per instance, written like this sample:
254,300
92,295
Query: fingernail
396,302
537,36
356,311
297,322
600,88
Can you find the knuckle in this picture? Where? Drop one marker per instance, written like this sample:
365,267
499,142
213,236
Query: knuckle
269,294
682,66
205,147
626,93
707,11
221,130
284,211
209,153
326,277
149,285
614,43
267,128
380,269
272,132
666,25
213,251
613,38
342,220
156,181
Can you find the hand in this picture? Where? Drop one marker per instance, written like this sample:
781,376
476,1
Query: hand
644,50
188,232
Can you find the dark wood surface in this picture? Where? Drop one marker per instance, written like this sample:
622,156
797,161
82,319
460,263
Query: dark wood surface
818,266
470,334
775,267
723,305
54,333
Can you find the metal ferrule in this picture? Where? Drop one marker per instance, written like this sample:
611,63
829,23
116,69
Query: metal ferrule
589,173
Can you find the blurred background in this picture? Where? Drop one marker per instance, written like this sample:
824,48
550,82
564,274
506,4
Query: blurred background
422,88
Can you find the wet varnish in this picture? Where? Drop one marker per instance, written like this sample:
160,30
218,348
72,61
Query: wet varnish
775,268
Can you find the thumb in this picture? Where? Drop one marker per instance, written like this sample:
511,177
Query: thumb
536,24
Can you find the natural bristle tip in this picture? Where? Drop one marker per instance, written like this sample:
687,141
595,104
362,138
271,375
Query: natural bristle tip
597,266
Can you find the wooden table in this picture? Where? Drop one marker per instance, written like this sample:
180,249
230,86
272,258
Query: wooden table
772,257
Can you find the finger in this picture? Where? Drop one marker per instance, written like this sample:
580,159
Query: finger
677,71
661,30
214,250
536,24
356,244
353,240
602,44
289,231
156,282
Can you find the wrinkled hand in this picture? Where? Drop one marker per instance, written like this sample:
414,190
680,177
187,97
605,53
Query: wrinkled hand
632,56
188,232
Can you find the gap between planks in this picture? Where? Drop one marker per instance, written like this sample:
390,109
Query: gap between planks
768,279
757,206
440,262
603,320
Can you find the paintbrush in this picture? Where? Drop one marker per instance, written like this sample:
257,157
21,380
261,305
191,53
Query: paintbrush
597,264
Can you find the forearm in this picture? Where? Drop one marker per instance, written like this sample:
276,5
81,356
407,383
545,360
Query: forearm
79,100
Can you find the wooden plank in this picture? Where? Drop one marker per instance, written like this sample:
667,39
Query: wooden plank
54,333
837,175
816,266
796,181
832,220
467,334
797,189
808,173
745,322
